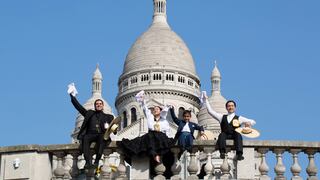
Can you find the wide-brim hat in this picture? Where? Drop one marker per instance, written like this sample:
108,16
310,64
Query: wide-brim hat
113,126
208,135
248,132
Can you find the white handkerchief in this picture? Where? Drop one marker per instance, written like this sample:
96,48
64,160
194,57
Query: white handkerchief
140,96
72,89
202,96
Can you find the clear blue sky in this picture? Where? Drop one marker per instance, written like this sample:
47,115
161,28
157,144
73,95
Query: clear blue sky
268,53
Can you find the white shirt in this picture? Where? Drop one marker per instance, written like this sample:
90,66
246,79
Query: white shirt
186,128
164,125
230,116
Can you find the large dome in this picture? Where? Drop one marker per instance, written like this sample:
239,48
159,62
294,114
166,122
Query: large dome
159,46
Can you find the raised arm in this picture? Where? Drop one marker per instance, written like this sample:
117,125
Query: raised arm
174,117
148,114
213,113
78,106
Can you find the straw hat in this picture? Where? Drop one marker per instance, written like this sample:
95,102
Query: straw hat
248,132
208,135
114,125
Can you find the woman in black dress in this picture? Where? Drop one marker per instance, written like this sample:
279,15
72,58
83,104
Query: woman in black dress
156,142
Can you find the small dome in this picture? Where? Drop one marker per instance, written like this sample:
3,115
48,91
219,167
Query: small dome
97,74
215,72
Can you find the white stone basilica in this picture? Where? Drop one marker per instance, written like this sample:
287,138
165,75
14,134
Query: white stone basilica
160,63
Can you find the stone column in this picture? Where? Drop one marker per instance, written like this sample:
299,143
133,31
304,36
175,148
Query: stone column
263,168
193,165
225,168
176,167
312,168
121,168
160,169
59,171
74,171
279,169
295,168
209,168
106,170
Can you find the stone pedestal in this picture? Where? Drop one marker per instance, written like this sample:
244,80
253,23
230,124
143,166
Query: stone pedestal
25,165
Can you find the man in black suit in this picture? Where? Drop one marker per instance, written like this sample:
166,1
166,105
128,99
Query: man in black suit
92,130
185,130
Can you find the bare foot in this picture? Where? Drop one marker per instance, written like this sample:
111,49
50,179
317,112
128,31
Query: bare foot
157,158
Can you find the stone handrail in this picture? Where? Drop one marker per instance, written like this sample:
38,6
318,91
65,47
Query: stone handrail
213,166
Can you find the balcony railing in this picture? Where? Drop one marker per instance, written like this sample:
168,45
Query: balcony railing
66,160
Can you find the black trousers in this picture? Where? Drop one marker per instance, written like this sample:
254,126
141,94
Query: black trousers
88,139
237,141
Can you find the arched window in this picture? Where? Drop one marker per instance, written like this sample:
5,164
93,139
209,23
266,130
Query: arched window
133,115
125,120
180,115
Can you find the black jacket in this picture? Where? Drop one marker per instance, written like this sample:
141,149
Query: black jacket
87,114
182,123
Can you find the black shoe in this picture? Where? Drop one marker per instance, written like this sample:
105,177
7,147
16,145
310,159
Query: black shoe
222,155
240,157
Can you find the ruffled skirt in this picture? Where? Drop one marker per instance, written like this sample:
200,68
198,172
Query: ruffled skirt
153,143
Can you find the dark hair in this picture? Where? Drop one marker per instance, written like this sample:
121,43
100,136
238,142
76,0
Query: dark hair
231,101
158,107
98,100
186,112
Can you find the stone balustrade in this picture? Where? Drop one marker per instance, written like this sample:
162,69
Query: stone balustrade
202,163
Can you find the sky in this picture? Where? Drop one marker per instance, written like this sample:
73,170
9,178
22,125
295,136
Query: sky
267,52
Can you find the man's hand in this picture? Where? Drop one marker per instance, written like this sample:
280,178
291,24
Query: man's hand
72,89
247,124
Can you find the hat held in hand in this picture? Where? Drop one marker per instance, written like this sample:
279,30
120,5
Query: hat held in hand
113,127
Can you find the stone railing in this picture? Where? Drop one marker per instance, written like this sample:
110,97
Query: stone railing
65,161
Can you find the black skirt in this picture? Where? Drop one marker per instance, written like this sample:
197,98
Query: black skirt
153,143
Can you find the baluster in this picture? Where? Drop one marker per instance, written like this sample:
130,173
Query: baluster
193,165
176,167
263,168
121,168
311,169
160,169
209,168
225,168
295,168
59,171
54,165
279,169
74,171
67,164
106,170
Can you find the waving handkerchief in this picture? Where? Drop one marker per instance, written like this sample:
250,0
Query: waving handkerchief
203,95
140,96
72,89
